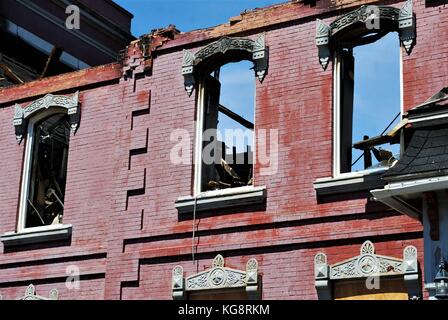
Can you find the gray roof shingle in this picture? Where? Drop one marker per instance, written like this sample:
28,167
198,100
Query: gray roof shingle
425,156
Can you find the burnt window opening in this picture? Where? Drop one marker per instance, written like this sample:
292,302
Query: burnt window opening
369,93
49,154
227,127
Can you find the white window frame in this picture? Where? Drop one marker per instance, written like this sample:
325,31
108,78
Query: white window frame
26,174
337,117
198,149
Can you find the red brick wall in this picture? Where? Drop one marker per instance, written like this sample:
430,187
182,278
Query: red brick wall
121,188
424,71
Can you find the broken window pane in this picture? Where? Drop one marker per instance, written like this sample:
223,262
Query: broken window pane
49,171
229,119
370,102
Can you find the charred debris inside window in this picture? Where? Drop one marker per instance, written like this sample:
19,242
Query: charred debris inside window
48,171
228,127
370,102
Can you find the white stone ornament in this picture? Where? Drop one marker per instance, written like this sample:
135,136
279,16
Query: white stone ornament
252,271
320,266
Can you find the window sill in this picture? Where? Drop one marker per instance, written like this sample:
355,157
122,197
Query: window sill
222,199
350,182
37,235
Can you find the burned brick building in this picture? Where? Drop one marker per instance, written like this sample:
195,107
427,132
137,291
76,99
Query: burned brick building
106,193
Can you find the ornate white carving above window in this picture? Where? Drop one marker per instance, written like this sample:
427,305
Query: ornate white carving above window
30,294
21,115
388,19
257,50
217,277
367,264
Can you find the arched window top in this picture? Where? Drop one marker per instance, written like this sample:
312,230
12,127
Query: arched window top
221,52
68,103
363,25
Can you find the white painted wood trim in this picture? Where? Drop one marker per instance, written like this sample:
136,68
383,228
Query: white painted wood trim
198,142
27,163
336,115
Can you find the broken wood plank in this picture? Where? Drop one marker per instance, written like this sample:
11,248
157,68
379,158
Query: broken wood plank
378,140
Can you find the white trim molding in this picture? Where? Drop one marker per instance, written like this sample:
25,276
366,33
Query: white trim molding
396,195
217,277
222,199
367,264
58,232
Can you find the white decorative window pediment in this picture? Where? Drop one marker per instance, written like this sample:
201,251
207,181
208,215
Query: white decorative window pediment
367,264
30,294
70,103
217,277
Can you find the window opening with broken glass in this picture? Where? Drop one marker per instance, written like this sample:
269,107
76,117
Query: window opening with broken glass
45,203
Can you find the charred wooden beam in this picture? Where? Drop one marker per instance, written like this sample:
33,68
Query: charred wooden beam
367,156
232,115
11,74
54,56
389,137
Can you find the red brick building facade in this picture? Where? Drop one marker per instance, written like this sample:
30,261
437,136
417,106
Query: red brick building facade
127,234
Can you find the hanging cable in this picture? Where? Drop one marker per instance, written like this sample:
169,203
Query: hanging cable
384,131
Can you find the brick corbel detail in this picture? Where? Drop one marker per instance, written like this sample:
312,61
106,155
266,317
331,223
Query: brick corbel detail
130,185
138,57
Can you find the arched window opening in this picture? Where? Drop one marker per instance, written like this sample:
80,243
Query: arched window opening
370,103
225,87
49,141
365,46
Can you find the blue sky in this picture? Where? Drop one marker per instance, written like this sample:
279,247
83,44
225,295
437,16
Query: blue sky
377,91
186,14
237,94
